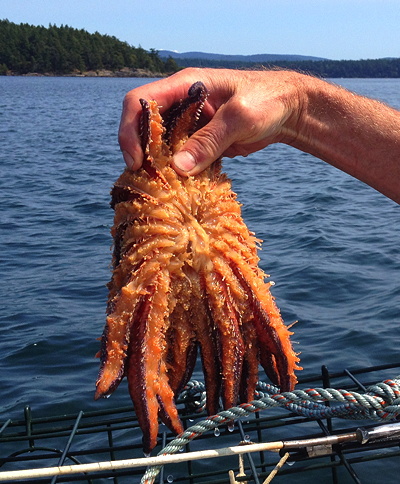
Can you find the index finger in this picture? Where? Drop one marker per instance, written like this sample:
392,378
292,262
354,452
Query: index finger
166,92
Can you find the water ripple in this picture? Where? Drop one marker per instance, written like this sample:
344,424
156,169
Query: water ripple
330,244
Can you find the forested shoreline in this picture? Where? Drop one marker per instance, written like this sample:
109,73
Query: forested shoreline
365,68
27,50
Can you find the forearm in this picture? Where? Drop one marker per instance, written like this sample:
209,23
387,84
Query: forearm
248,110
357,135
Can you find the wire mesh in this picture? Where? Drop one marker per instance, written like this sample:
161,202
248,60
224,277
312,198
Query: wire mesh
40,441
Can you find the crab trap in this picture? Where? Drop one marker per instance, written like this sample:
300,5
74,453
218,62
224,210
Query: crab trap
338,427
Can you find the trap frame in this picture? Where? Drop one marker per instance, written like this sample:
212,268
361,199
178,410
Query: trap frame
113,436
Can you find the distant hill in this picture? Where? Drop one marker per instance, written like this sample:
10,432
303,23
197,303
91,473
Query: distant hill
326,68
27,49
255,58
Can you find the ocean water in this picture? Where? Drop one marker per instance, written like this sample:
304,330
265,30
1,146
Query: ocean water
331,243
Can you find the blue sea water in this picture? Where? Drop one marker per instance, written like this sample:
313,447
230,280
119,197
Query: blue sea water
330,243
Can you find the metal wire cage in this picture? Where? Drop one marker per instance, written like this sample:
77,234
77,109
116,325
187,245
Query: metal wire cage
113,435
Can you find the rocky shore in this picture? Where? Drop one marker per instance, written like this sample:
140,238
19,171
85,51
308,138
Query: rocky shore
125,72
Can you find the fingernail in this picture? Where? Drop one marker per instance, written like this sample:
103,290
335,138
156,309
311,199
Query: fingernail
130,162
184,161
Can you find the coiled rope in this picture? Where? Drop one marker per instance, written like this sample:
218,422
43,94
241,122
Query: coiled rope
380,402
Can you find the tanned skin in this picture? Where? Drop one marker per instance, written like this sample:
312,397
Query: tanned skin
249,110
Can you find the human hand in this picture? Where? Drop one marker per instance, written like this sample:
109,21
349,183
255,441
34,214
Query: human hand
245,111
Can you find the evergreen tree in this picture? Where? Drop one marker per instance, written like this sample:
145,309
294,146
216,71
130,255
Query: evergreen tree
62,50
25,48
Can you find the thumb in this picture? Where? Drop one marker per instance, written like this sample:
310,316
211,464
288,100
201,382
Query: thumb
203,147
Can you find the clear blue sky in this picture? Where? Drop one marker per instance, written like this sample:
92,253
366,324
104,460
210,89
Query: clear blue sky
336,29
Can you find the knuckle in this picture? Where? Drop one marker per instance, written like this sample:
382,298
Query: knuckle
240,112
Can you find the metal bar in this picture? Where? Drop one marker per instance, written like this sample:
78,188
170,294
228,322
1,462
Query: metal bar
163,444
28,425
342,457
382,432
356,371
250,458
326,382
69,442
111,447
355,380
5,425
187,449
260,439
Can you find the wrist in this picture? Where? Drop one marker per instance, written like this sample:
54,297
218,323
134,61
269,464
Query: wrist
296,90
322,109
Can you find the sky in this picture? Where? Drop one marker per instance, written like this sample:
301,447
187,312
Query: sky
333,29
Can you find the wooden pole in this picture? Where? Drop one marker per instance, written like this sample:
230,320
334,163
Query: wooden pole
140,462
